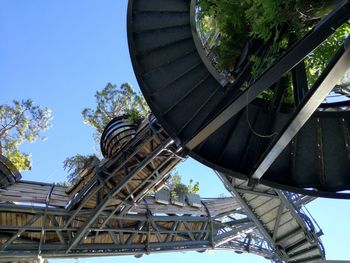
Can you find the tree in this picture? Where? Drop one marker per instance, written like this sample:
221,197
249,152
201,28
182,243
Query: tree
77,164
177,187
22,121
268,28
275,22
112,101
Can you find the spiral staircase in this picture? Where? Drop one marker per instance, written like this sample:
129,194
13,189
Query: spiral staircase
107,212
303,149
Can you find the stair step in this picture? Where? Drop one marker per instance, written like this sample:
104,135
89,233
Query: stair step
268,206
199,109
226,149
208,111
186,94
174,63
314,259
178,86
167,54
160,79
172,70
289,235
160,5
302,252
150,40
296,246
206,85
238,140
260,200
307,161
158,21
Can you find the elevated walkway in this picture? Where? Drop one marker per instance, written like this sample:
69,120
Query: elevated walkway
28,231
149,226
107,212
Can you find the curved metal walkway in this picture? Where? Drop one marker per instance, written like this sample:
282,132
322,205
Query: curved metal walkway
225,127
280,219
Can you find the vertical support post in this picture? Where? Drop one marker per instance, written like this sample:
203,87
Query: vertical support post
325,83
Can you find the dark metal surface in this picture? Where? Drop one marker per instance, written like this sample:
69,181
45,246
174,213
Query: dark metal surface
284,64
187,100
332,74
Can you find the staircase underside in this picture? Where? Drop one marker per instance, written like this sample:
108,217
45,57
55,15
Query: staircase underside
279,219
186,98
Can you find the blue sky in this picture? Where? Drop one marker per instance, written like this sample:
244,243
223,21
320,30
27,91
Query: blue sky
59,53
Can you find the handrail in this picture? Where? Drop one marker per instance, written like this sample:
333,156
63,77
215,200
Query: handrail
222,80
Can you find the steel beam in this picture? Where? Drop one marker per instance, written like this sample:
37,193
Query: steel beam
300,86
284,64
157,178
104,203
278,220
19,232
323,86
109,175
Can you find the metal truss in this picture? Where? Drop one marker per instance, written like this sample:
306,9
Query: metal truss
125,179
280,219
106,213
41,231
110,189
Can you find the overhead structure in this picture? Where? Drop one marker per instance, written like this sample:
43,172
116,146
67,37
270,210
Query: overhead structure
280,219
149,227
302,148
106,211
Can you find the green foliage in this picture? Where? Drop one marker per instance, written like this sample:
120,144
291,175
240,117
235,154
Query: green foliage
176,187
22,161
317,61
113,101
278,24
77,164
230,22
261,16
20,122
265,20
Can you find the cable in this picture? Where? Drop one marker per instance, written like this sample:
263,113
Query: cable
250,126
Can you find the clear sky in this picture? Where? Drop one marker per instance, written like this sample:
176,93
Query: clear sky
59,53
